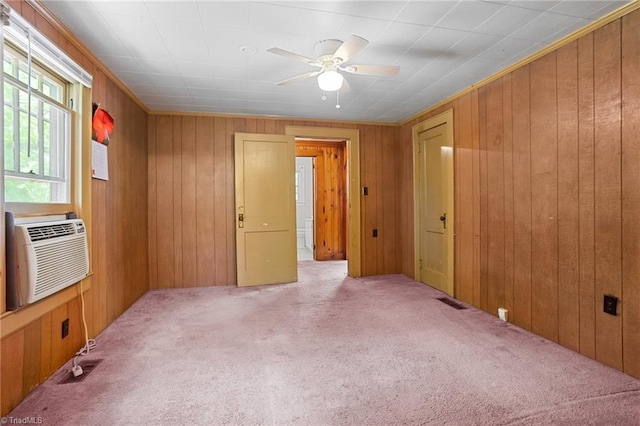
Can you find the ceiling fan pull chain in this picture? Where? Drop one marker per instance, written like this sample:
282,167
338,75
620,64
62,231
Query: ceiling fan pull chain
338,99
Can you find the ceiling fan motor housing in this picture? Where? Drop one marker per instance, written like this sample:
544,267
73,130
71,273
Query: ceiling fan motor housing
325,49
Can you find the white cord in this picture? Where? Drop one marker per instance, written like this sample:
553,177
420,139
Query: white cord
90,344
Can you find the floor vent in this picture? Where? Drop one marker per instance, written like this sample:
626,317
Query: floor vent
452,303
87,368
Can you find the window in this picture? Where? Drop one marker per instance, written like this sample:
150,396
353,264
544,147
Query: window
37,132
45,95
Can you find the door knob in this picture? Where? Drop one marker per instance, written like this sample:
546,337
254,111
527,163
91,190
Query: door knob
443,219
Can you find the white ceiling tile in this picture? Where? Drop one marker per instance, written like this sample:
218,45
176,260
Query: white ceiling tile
536,4
185,40
610,7
401,34
238,85
476,66
133,78
271,17
203,83
379,54
96,33
342,7
233,103
157,66
167,99
579,8
377,9
228,13
507,20
523,54
467,15
166,80
506,48
121,63
363,27
271,61
318,24
182,10
139,35
192,69
230,71
425,12
387,83
144,89
261,86
440,39
396,97
571,28
474,43
545,24
130,8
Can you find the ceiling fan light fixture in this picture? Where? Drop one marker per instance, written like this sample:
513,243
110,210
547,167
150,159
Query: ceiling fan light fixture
330,80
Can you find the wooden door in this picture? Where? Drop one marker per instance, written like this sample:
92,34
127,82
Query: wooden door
265,209
436,209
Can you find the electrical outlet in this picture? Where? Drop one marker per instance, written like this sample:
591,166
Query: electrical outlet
65,328
610,304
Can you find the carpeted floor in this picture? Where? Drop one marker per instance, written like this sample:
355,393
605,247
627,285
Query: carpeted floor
329,350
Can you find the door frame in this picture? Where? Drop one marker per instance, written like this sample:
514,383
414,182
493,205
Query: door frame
352,138
318,156
445,118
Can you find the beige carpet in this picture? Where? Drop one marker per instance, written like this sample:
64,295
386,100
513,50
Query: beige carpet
329,350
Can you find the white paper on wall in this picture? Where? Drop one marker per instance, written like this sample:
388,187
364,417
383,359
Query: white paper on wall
99,161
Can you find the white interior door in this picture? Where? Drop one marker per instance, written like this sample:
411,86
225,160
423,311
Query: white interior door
436,209
265,209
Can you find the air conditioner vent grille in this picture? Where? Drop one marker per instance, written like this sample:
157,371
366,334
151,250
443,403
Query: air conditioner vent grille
39,233
60,264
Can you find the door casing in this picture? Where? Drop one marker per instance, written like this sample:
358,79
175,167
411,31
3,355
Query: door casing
445,118
352,136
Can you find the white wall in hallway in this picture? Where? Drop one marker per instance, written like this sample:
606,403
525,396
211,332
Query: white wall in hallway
304,205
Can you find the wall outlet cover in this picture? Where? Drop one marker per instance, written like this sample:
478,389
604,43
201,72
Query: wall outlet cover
610,304
65,328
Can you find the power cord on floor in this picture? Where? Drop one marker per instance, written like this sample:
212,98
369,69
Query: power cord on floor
90,344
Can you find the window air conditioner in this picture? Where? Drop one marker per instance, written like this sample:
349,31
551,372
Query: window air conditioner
51,256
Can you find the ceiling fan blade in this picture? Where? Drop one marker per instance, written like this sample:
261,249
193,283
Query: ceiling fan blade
299,78
350,47
372,69
291,55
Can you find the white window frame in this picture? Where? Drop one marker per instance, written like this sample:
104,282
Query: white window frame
26,38
58,173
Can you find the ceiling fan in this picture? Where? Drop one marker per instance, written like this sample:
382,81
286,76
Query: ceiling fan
331,56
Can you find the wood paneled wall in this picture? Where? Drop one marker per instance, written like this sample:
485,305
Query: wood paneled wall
119,241
330,204
547,190
191,197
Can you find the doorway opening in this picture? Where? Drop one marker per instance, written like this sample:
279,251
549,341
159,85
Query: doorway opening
321,199
351,140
